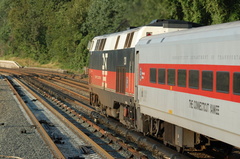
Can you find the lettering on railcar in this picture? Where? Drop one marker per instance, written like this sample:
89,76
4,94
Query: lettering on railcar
192,57
214,109
97,77
199,57
205,107
229,57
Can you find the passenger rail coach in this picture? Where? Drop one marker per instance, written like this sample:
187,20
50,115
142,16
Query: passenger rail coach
175,81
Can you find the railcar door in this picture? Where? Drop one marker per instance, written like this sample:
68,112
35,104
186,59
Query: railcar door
121,79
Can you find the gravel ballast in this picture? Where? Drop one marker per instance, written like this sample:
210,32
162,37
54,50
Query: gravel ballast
18,137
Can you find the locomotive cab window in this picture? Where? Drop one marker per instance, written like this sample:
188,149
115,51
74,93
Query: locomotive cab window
236,83
194,79
181,78
153,75
90,45
223,82
207,80
171,77
100,44
97,45
161,76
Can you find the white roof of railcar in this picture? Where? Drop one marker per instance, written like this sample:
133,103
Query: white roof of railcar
186,47
117,33
129,38
193,33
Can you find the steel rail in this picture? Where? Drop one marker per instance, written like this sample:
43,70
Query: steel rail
59,87
79,85
70,84
134,152
49,72
82,135
46,72
10,71
76,83
54,149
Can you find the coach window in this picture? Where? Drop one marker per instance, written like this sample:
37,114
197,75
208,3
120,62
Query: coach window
171,76
207,80
181,78
153,75
161,76
194,79
223,82
236,83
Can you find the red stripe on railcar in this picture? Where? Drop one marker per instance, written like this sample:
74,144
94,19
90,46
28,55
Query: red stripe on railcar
145,79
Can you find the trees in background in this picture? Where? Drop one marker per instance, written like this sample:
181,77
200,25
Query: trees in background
59,30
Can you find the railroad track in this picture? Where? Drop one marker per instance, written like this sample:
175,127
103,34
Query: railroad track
70,104
62,117
116,147
56,152
107,144
56,72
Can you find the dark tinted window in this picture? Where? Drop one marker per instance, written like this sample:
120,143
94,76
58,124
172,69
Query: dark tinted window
171,77
182,74
161,76
153,75
97,45
223,82
236,83
194,79
100,44
207,80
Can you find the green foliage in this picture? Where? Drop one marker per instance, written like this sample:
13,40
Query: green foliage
59,30
143,12
104,16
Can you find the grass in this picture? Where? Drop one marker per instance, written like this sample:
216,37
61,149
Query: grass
27,62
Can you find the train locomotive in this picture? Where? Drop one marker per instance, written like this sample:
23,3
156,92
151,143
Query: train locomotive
174,80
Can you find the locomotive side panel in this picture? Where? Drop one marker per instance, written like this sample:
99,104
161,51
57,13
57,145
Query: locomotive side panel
106,66
112,62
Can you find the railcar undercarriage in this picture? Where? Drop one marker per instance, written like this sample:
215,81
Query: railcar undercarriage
170,134
181,138
126,114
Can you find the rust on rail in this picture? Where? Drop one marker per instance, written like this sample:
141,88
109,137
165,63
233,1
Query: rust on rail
72,92
56,152
82,135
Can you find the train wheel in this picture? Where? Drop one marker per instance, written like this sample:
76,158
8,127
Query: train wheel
165,143
179,149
